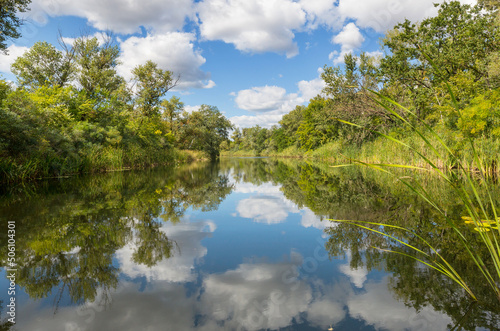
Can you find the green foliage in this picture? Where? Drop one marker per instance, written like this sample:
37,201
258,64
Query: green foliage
9,22
171,110
204,129
459,39
152,84
458,47
72,229
96,64
43,65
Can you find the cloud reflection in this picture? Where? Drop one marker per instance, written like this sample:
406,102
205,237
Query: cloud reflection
187,237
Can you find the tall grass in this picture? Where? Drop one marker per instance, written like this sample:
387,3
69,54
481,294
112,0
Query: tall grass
93,159
430,152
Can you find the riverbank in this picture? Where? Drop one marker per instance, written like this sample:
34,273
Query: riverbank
386,151
94,160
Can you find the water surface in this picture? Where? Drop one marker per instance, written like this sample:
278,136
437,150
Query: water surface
245,244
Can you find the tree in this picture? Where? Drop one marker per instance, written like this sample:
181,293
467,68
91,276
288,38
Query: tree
171,110
43,65
9,22
348,100
236,138
152,84
459,39
205,130
97,65
290,123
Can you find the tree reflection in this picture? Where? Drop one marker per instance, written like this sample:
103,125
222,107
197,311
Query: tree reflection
69,231
353,194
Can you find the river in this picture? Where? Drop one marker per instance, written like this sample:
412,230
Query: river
244,244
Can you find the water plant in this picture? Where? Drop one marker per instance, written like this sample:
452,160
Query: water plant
468,179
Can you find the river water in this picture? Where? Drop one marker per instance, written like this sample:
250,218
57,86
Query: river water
244,244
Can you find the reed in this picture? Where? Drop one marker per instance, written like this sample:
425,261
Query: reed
467,179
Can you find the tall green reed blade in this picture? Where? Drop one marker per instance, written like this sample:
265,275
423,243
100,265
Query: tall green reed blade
472,202
444,267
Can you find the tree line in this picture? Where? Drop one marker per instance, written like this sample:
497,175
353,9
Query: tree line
72,112
459,47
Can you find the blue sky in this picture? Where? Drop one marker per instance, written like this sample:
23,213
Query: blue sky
253,59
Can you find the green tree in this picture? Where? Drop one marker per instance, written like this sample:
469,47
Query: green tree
171,110
152,84
236,138
43,65
97,65
290,123
205,130
9,22
459,39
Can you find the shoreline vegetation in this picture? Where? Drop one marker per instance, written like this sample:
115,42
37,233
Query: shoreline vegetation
71,113
384,151
459,48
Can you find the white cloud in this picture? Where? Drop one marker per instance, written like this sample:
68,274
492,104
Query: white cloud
309,219
321,12
350,39
274,101
267,205
264,188
252,26
118,16
308,89
171,51
191,109
256,296
102,37
392,314
188,249
357,275
325,312
13,53
130,308
263,98
266,209
381,15
263,120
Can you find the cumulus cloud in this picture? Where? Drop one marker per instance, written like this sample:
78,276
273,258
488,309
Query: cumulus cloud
256,296
178,268
272,102
263,120
392,314
123,17
131,309
252,26
191,109
357,276
309,89
382,15
264,188
173,51
266,209
102,37
349,39
263,98
321,12
13,53
266,205
310,219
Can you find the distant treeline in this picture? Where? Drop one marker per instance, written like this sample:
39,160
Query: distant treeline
71,113
460,46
